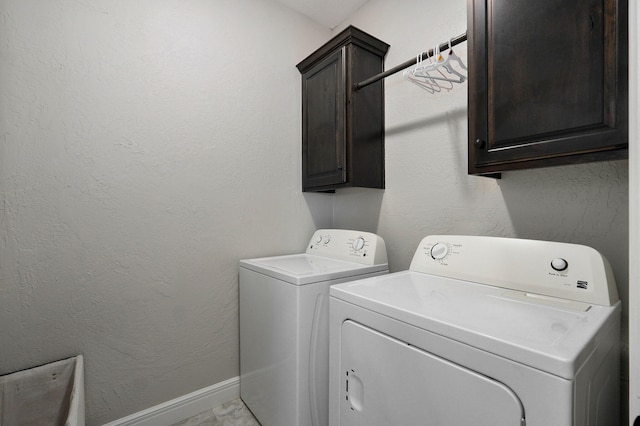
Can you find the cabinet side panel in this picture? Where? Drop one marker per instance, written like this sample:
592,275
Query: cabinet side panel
477,82
365,121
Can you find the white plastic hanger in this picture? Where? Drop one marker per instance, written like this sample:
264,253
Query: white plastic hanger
452,57
431,88
426,72
429,70
420,82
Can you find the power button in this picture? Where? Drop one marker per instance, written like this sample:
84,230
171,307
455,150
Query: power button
559,264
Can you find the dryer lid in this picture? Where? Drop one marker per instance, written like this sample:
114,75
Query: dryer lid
500,321
300,269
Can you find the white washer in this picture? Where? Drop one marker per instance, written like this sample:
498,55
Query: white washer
284,324
480,330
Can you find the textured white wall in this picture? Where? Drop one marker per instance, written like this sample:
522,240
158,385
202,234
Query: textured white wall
428,190
145,147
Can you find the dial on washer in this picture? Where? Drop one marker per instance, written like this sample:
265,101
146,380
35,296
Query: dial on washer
358,244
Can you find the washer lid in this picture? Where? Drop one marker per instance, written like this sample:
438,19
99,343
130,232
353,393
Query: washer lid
508,323
300,269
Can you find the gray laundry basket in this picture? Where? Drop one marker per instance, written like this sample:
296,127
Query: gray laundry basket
52,394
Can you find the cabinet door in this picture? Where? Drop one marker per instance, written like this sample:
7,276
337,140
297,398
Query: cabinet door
548,82
324,132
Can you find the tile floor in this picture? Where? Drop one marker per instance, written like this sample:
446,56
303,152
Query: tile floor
233,413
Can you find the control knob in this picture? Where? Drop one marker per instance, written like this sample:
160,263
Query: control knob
358,244
439,251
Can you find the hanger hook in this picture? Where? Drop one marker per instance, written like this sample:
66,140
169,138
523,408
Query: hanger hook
436,54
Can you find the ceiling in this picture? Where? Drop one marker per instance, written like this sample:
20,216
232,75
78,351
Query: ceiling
329,13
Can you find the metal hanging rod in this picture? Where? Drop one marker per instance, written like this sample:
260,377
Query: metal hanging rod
454,41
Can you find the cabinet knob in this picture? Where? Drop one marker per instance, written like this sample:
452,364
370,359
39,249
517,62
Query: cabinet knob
479,143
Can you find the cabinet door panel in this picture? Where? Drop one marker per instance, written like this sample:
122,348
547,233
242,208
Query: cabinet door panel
548,83
323,145
547,76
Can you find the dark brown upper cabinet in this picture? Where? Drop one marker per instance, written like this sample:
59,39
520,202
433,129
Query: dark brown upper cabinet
343,129
548,83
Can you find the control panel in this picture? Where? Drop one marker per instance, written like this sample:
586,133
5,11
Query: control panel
543,268
353,246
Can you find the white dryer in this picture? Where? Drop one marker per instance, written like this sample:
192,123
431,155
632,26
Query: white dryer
284,324
479,331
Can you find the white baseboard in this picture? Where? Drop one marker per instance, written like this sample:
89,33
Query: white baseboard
183,407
